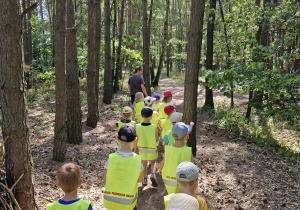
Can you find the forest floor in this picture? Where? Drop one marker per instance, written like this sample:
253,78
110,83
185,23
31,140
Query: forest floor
235,174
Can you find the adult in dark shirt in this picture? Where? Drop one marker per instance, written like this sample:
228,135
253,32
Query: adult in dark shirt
136,83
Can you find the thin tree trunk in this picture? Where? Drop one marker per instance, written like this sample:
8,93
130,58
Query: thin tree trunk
210,53
119,64
146,47
29,36
169,45
15,126
114,28
164,45
192,68
74,125
49,11
92,98
60,133
108,88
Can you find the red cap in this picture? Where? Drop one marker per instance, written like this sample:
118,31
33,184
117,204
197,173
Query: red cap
167,93
168,109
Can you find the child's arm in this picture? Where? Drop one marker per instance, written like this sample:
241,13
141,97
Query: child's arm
156,135
192,158
161,165
133,115
135,145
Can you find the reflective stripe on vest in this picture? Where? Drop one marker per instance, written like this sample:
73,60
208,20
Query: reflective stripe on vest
147,151
120,200
78,205
121,185
174,156
161,112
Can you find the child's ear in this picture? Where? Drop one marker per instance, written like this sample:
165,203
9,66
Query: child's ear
80,182
118,139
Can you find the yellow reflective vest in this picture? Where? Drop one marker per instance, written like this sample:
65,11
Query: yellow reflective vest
156,105
121,187
120,124
172,140
174,156
165,125
146,141
167,199
138,108
78,205
154,119
161,112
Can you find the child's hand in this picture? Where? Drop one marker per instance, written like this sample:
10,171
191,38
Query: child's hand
159,171
192,124
136,151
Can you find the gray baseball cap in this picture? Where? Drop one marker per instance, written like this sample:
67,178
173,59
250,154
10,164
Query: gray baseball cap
180,130
187,171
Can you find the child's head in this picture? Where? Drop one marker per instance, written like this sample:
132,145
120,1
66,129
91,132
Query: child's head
187,175
149,101
69,177
169,109
127,133
167,96
127,112
176,117
157,97
139,96
180,131
147,113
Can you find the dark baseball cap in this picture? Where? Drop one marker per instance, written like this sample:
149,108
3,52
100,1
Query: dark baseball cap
147,112
127,133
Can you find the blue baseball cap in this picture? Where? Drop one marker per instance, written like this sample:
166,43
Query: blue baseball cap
157,96
146,112
180,130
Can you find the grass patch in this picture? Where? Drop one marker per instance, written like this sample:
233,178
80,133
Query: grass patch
277,132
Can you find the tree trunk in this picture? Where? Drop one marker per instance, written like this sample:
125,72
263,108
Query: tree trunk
146,47
108,88
192,68
164,45
60,133
97,52
168,54
29,36
114,28
15,126
210,52
92,97
119,64
74,124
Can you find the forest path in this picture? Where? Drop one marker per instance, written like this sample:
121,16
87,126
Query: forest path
235,174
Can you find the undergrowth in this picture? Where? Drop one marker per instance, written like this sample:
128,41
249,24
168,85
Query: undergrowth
278,132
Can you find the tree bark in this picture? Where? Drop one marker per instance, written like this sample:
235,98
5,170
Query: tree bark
192,68
119,64
164,45
60,133
74,125
146,47
92,85
15,126
108,88
209,102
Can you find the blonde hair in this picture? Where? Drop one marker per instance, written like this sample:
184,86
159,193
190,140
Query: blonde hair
176,136
167,99
186,184
68,177
139,96
127,115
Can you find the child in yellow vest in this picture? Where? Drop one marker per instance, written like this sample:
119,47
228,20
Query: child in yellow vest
176,117
126,118
149,103
173,156
165,102
146,144
69,180
157,102
123,173
166,124
138,106
187,177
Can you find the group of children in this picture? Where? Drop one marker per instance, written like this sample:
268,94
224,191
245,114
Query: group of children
139,131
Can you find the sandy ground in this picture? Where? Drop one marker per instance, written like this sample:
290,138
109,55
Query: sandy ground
235,174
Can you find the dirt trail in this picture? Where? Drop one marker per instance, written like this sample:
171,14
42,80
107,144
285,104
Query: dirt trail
235,174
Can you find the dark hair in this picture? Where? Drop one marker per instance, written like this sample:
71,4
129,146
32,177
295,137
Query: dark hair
138,68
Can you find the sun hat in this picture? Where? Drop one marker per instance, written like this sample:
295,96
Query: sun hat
183,201
167,93
127,133
126,110
168,109
176,117
187,172
149,100
157,96
180,130
147,112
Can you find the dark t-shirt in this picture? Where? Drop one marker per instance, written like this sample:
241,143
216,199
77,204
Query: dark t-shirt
135,82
